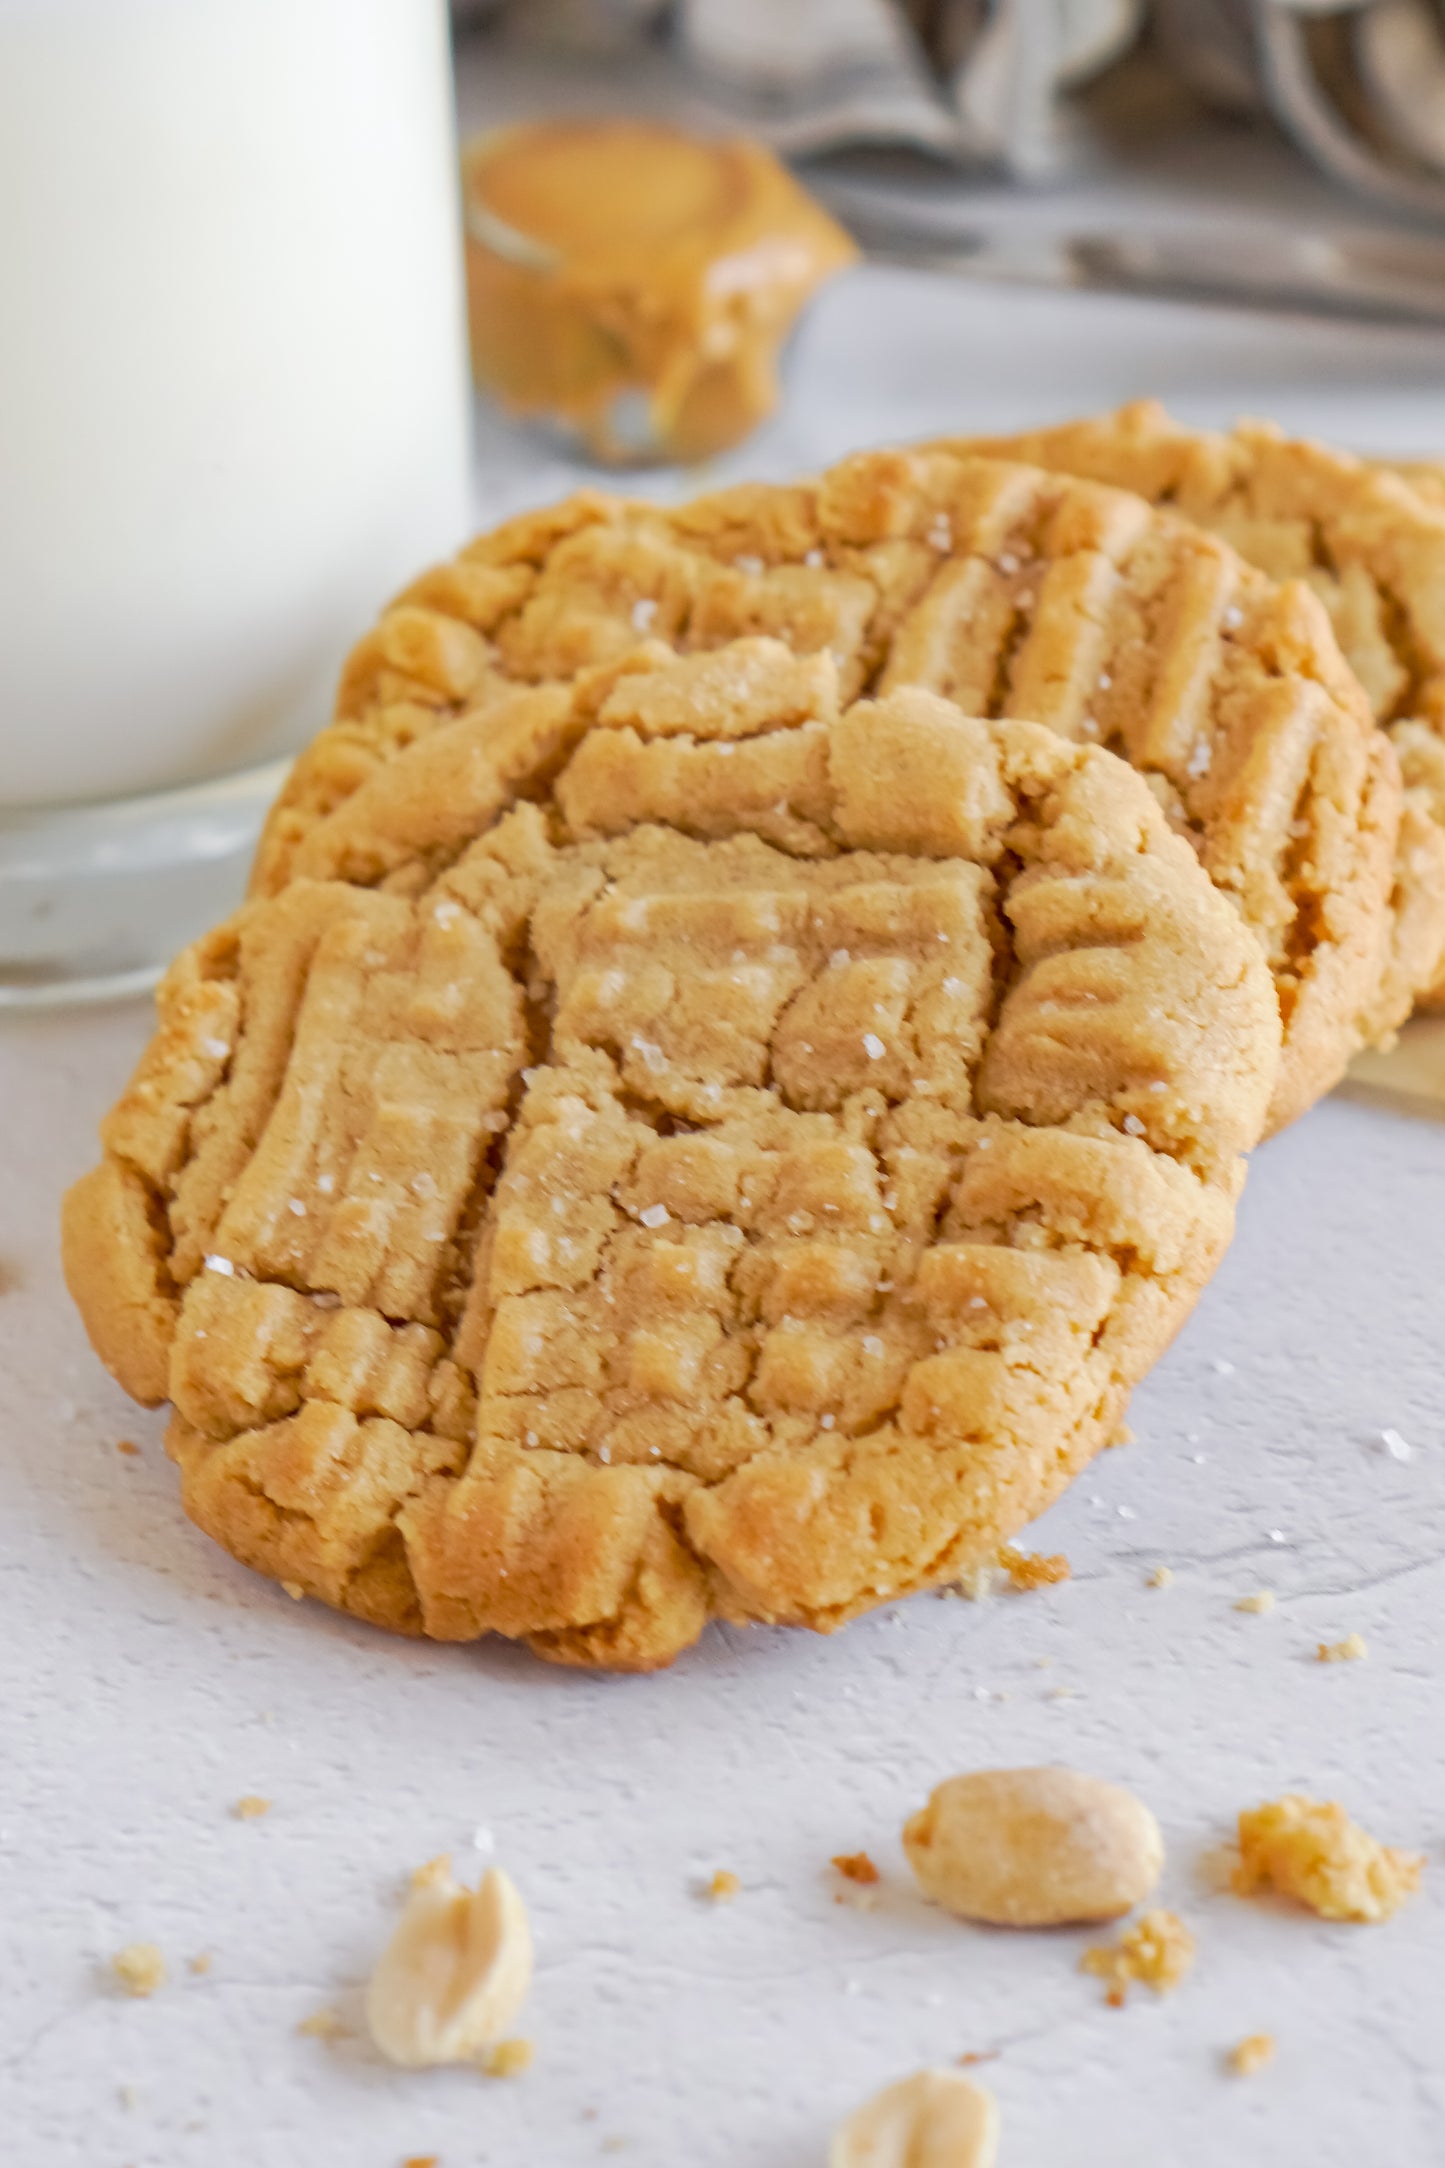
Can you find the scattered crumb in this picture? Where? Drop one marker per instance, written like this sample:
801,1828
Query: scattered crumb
140,1968
1122,1436
1062,1693
855,1867
723,1887
294,1590
509,2058
1161,1577
422,2160
976,2055
975,1584
127,2095
251,1808
1261,1602
324,2025
1310,1850
1028,1570
129,1447
1251,2054
1157,1950
1348,1651
199,1964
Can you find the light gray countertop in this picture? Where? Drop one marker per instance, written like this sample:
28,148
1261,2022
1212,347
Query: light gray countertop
147,1683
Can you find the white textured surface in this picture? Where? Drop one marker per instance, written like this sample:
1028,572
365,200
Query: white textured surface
146,1683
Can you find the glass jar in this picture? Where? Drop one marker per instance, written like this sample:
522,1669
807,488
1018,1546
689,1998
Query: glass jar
234,418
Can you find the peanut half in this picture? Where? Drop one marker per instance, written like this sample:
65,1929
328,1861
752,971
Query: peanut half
1034,1847
935,2119
455,1973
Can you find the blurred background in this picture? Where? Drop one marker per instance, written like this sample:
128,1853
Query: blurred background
294,294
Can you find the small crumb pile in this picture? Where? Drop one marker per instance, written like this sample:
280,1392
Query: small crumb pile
1251,2054
509,2058
1029,1569
1351,1650
324,2025
856,1867
139,1968
1157,1951
1310,1850
723,1886
251,1808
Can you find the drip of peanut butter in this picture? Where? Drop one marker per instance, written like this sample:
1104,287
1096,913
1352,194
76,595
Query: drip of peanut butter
635,284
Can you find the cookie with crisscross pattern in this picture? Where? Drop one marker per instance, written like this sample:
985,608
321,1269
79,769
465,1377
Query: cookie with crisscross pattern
712,1149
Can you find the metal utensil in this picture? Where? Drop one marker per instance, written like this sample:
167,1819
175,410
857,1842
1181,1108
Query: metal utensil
1381,277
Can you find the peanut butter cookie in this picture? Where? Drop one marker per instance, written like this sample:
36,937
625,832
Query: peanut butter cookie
1370,540
679,1145
1015,592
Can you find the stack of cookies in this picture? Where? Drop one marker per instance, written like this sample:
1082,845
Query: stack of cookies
743,1044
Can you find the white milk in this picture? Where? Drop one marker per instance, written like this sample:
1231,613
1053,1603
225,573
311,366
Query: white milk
233,395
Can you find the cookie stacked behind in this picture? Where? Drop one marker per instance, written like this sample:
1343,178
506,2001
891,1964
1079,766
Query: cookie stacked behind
1016,592
1370,541
704,1148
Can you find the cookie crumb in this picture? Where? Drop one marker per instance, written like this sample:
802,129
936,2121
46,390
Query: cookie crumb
294,1590
251,1808
975,1584
971,2056
1351,1650
1260,1602
509,2058
200,1964
1161,1577
129,1447
139,1968
324,2025
1251,2054
1028,1570
856,1867
127,2095
422,2160
1310,1850
723,1886
1158,1950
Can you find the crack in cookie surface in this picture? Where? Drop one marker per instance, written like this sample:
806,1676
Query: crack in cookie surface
746,1180
1014,591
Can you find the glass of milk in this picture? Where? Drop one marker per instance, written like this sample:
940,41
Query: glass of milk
234,417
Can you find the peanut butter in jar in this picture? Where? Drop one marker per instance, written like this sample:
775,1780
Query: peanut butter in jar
634,284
